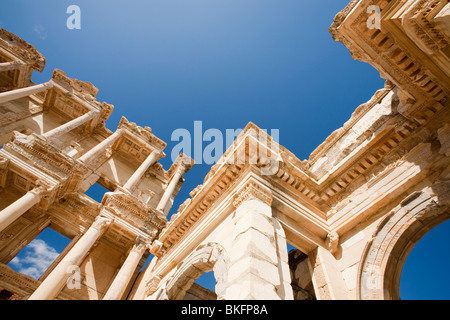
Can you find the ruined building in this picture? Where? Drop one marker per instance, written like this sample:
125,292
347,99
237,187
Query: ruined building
354,209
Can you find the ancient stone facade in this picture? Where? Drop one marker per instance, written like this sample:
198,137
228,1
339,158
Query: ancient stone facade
354,209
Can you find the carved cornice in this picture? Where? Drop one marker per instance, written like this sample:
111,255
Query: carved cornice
419,19
143,133
253,191
43,156
356,115
132,210
322,194
83,89
23,50
393,50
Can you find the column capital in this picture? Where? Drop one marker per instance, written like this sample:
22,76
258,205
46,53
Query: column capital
184,162
140,245
41,189
38,190
253,191
101,223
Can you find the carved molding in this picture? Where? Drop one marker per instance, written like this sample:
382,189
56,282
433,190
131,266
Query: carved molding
135,212
152,285
84,89
253,191
140,246
143,133
22,49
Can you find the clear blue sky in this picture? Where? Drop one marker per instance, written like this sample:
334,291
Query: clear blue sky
168,63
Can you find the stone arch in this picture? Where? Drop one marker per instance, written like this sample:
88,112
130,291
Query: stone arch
385,254
206,258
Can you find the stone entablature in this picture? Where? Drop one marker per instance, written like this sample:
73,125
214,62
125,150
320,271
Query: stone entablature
22,50
392,146
408,30
353,210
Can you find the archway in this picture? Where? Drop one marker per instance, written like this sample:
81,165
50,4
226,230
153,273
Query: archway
425,273
384,256
206,258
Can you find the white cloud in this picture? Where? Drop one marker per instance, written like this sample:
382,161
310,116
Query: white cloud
35,259
40,31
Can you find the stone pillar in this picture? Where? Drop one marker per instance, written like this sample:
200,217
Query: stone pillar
327,279
20,206
10,65
122,279
253,272
137,175
171,188
101,146
57,279
285,290
70,125
24,92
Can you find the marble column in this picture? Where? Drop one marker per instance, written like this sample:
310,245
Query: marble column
24,92
122,279
170,188
57,279
137,175
62,129
101,146
10,65
20,206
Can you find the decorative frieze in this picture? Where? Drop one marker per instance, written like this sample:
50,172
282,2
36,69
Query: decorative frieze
134,211
144,133
253,191
25,51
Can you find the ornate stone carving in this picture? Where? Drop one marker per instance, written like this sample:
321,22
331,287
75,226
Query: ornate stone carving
145,133
84,89
332,242
252,191
152,285
102,223
130,208
140,246
156,248
24,50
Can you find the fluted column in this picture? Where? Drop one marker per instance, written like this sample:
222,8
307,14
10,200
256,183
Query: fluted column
137,175
57,279
10,65
70,125
20,206
101,146
171,188
122,279
24,92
